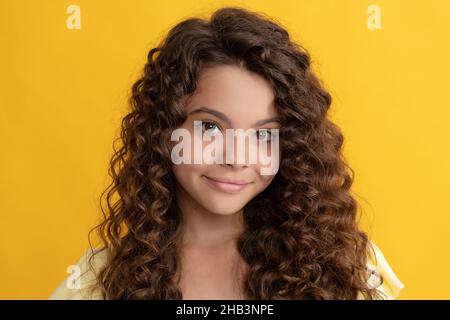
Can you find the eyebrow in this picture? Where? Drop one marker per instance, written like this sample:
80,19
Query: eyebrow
223,117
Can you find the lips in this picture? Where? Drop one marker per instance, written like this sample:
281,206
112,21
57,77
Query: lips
227,185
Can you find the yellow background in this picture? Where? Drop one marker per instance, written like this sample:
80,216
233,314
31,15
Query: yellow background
64,91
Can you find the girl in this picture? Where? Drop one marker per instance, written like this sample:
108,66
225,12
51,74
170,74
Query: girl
224,230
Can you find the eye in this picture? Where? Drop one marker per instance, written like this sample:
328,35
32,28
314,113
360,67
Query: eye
209,127
264,134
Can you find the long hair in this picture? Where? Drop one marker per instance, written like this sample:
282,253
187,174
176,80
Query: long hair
301,239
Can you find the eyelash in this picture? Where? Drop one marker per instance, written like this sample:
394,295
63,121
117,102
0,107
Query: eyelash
267,131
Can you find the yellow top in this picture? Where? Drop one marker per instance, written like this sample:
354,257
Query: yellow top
82,284
390,285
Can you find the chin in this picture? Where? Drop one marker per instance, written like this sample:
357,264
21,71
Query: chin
224,208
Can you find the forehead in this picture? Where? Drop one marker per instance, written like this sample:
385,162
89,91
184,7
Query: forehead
244,96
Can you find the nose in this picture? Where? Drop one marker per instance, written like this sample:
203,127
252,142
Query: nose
239,153
235,166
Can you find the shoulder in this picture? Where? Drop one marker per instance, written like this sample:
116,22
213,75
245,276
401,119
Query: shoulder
81,283
382,277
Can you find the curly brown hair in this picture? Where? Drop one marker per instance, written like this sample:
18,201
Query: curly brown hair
302,240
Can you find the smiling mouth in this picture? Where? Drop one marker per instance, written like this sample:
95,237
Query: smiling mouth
226,185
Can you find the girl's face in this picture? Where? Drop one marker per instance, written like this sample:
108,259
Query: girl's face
227,97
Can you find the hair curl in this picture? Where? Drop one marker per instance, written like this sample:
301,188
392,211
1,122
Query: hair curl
301,239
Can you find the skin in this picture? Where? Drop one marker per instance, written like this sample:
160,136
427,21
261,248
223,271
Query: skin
213,219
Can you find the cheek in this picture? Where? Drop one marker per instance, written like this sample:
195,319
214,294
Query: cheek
267,168
264,182
268,160
186,173
267,179
181,170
